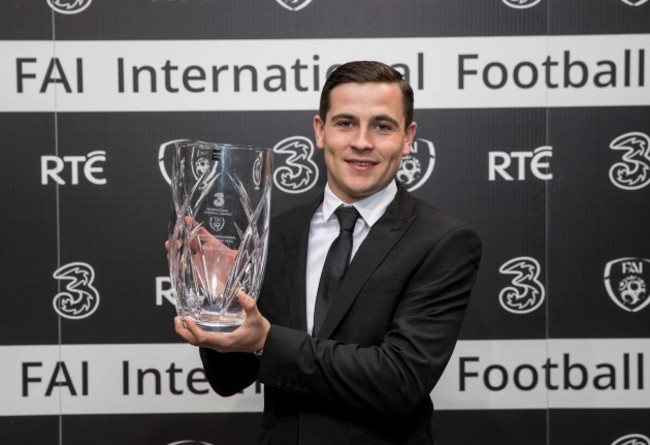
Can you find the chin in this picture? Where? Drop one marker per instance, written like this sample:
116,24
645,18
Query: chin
359,194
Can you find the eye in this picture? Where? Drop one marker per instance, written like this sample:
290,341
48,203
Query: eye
344,123
383,126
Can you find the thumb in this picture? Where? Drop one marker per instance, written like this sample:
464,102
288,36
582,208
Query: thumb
247,302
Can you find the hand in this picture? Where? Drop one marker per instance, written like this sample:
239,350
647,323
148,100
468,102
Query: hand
211,259
249,337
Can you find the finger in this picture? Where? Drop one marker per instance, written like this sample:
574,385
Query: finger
198,333
203,231
246,302
201,238
255,321
183,332
179,325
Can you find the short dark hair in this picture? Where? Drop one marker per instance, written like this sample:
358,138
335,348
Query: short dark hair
363,72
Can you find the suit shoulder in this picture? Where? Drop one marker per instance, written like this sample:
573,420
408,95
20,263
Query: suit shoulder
293,213
292,222
430,216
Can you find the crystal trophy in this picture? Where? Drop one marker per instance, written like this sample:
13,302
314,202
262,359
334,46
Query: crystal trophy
218,238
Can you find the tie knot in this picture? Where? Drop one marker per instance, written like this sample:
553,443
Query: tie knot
347,217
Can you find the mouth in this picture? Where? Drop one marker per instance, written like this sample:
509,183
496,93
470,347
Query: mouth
361,164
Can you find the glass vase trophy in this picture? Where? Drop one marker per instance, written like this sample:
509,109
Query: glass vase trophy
218,237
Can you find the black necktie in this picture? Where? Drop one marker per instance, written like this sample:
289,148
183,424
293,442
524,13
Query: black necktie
336,263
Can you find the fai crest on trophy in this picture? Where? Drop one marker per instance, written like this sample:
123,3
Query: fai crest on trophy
627,281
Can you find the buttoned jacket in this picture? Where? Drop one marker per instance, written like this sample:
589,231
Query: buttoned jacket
389,333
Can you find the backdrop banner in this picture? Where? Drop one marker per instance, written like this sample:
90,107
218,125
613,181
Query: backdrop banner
533,127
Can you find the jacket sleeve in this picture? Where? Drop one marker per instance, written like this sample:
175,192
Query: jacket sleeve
229,373
394,375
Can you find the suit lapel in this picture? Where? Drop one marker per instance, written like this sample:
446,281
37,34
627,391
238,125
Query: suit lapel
296,259
374,249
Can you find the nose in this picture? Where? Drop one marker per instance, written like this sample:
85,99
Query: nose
362,140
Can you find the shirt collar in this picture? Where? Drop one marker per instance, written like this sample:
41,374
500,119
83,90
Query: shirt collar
370,208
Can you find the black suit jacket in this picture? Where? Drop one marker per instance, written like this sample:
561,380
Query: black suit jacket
386,339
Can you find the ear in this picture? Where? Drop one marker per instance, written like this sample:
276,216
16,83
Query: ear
319,130
409,137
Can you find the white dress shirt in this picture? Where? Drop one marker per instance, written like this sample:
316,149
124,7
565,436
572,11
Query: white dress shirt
324,229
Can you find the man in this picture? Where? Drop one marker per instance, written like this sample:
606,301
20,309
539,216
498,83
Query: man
364,374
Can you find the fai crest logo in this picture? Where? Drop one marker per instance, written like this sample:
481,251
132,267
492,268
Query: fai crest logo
79,299
627,281
521,4
417,166
68,6
633,172
217,223
201,165
525,293
634,3
299,172
165,155
293,5
632,439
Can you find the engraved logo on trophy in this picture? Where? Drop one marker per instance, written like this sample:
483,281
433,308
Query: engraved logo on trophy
221,196
217,223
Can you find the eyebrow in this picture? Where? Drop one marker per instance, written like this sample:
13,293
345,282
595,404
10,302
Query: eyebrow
378,118
344,116
385,117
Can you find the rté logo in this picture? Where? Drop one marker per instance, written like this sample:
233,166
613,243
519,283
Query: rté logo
514,165
89,166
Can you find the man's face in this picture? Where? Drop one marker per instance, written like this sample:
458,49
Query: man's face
363,138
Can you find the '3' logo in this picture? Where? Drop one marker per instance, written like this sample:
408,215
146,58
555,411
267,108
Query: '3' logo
633,172
526,293
80,298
